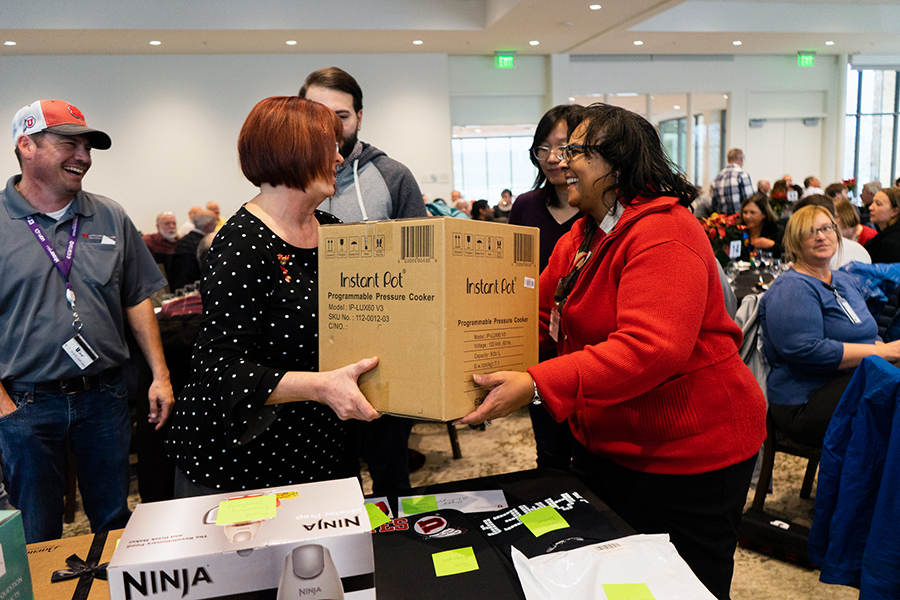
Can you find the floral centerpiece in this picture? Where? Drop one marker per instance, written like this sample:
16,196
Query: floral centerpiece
722,230
778,201
851,186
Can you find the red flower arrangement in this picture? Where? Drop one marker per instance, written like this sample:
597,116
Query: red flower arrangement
850,183
722,230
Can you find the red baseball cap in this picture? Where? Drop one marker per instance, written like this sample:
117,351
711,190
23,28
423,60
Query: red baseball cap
56,116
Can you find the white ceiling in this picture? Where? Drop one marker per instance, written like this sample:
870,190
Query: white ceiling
456,27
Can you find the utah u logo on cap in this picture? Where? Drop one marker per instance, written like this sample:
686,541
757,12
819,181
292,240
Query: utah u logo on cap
29,122
75,113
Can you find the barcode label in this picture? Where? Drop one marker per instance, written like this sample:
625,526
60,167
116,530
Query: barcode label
523,249
417,241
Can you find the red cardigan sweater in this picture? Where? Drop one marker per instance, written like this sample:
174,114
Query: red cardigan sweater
648,372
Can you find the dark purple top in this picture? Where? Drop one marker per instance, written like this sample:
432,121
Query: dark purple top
531,209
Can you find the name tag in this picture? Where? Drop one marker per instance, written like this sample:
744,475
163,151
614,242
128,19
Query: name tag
554,324
80,351
848,310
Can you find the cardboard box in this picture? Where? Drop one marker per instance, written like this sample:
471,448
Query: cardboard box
314,543
47,557
436,299
15,577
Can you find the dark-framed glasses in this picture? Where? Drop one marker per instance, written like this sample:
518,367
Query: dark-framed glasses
542,153
824,230
567,153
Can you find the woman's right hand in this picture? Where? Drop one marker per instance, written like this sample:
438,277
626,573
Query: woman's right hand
339,389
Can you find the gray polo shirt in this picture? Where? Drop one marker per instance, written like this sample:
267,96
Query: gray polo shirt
111,269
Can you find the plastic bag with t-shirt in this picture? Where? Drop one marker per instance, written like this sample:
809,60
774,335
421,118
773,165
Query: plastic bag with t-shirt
638,566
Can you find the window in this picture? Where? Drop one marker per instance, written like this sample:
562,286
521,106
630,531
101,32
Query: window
483,167
871,126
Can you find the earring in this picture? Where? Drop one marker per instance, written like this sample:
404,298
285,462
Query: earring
617,178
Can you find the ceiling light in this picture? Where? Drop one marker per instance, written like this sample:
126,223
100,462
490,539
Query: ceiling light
571,98
676,107
595,7
9,43
477,131
534,42
638,43
828,43
418,42
155,43
736,42
291,42
725,96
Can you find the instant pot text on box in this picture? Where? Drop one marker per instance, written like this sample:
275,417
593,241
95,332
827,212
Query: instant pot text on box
436,300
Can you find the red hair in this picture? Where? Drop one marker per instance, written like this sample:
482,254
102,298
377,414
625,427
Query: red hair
289,141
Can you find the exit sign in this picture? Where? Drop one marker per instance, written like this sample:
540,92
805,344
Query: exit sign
504,61
805,59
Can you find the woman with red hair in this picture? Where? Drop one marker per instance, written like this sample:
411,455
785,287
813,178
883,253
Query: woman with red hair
256,413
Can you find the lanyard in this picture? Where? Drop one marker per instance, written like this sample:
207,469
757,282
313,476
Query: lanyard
63,266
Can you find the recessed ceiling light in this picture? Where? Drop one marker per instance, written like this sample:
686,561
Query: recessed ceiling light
418,42
829,43
676,107
534,42
477,131
9,43
638,43
571,99
291,42
725,96
595,7
155,43
736,42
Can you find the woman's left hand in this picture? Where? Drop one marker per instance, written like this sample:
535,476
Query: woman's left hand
511,391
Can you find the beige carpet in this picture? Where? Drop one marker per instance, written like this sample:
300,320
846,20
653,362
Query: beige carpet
508,445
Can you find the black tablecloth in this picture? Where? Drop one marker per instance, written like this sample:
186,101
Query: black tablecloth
404,567
747,282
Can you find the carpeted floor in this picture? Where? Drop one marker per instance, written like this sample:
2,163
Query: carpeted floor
508,445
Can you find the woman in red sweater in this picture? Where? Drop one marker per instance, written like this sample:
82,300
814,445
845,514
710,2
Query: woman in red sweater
667,416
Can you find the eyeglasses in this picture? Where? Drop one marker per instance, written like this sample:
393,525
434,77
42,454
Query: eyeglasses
542,153
567,153
824,230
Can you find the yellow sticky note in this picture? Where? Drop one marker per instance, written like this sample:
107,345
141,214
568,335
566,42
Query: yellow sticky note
453,562
242,510
420,504
627,591
543,520
376,517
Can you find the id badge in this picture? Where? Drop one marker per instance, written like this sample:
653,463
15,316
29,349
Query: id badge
80,351
848,310
554,324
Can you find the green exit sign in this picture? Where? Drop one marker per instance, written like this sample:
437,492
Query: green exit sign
504,61
805,60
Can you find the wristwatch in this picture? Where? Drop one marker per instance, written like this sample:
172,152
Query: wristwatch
536,399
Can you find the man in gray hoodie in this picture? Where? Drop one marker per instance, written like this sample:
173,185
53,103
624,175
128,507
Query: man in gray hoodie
370,185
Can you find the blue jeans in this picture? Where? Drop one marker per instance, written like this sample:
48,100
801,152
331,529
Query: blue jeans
97,425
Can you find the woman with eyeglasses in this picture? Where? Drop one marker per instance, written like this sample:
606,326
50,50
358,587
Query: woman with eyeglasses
668,419
546,207
816,329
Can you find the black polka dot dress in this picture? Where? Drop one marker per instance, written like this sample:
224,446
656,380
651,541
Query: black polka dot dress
260,320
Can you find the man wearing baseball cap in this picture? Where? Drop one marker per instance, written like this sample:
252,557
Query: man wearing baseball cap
73,272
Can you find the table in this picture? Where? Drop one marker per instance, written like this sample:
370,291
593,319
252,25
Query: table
747,282
404,568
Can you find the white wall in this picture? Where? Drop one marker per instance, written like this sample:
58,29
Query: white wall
174,120
772,87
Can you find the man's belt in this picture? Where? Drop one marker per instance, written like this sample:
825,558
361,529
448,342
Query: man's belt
62,386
